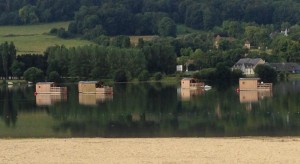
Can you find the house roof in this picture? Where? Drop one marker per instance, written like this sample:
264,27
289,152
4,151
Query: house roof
285,66
248,61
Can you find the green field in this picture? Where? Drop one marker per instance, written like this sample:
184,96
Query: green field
35,38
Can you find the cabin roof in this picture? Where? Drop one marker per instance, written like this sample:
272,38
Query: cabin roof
250,78
187,78
44,83
88,82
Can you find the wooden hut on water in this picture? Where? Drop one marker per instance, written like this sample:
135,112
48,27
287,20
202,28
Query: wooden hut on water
191,83
96,87
49,88
248,84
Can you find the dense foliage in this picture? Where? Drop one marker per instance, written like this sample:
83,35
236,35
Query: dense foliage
146,16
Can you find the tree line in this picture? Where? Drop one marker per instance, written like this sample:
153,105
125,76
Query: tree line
147,17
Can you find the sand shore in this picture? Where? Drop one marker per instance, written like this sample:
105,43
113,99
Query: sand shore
151,150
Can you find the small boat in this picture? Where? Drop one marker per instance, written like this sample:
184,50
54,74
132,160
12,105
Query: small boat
207,87
10,83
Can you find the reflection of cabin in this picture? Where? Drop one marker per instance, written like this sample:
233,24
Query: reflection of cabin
93,99
49,99
49,88
94,87
254,96
253,84
186,94
191,83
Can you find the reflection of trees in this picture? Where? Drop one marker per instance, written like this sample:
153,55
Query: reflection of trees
13,100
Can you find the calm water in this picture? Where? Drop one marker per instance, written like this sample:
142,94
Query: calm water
151,110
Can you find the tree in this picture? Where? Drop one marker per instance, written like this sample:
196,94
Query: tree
34,75
28,14
266,73
167,27
17,68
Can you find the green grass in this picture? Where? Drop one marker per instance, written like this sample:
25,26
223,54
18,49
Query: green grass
35,38
294,76
13,81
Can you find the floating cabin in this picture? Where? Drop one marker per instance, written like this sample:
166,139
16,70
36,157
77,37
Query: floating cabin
250,84
95,87
191,83
49,88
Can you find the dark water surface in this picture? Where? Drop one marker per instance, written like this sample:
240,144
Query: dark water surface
151,110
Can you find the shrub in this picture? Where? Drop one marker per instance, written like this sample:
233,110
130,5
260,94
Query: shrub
53,31
120,76
54,77
157,76
34,75
144,76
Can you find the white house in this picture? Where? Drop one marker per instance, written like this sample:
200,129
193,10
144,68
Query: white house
247,65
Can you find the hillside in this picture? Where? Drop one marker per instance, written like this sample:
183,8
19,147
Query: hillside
35,38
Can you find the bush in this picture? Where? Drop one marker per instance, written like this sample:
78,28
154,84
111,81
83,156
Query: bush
206,74
120,76
62,33
34,75
53,31
266,73
157,76
144,76
54,77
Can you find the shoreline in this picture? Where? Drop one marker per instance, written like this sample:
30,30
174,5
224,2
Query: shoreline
151,150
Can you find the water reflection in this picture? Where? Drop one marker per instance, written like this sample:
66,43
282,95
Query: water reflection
254,96
150,110
186,93
94,99
49,99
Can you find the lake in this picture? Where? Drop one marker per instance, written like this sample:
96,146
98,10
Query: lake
151,110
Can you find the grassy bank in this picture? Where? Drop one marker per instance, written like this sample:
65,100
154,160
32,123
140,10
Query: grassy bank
35,38
4,82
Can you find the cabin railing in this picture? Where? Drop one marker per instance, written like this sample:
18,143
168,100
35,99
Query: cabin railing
264,86
105,89
198,85
58,89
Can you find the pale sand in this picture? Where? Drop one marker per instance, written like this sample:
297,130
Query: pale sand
156,150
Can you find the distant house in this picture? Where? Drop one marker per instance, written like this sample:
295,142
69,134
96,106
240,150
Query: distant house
247,45
219,38
285,67
247,65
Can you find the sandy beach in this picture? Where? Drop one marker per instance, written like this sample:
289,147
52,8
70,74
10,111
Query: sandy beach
151,150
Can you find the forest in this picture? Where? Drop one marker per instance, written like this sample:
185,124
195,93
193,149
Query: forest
213,36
